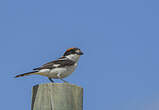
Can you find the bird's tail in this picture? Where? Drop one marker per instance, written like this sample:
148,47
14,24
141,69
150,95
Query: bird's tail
25,74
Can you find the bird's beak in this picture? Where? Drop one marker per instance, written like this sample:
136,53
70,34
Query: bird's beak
80,53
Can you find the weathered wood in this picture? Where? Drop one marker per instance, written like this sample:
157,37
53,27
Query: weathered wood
57,96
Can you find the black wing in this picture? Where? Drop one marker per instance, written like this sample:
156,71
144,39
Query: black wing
56,64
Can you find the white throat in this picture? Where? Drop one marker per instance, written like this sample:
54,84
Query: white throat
73,57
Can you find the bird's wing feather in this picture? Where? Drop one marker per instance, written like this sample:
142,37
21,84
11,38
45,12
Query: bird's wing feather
56,64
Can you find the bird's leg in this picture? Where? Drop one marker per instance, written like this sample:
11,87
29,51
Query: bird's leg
59,76
63,80
51,80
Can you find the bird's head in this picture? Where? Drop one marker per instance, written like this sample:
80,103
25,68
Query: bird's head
73,53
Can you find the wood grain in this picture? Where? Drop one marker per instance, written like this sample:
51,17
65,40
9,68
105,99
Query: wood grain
57,96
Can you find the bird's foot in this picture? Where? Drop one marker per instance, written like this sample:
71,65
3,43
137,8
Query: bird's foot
51,80
63,80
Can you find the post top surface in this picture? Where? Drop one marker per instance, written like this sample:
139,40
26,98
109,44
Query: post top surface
58,84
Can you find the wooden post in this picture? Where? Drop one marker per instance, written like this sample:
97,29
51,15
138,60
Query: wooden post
57,96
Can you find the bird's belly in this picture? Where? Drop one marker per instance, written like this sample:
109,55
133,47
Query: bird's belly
54,72
61,72
67,73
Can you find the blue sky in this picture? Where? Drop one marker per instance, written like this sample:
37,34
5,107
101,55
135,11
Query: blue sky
119,70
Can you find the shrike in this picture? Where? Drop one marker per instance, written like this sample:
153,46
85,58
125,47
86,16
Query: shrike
60,68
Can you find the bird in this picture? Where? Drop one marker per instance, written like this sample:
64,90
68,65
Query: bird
60,68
